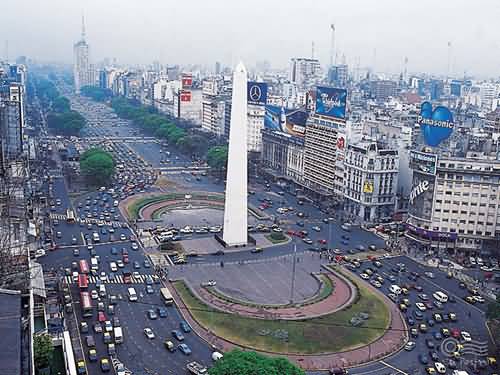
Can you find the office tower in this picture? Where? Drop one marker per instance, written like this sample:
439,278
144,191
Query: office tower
81,66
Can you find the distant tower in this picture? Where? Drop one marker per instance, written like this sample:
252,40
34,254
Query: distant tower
235,207
312,49
405,71
81,66
448,67
332,44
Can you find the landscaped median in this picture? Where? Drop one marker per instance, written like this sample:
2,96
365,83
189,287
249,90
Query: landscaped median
328,333
152,206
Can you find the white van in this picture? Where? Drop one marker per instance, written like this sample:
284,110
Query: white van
94,264
440,296
118,335
132,295
216,356
102,290
113,267
395,289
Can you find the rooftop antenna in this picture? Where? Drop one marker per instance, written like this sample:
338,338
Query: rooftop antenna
83,27
312,50
332,44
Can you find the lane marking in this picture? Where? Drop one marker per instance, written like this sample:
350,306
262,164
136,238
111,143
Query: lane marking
394,368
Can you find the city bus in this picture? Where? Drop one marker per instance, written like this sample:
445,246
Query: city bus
84,266
70,215
86,304
83,281
167,296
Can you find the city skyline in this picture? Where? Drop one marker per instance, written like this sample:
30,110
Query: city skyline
362,34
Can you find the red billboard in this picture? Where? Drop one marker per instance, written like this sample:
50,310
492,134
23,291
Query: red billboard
187,81
185,96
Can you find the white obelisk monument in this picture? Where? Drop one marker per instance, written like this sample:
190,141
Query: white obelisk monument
235,209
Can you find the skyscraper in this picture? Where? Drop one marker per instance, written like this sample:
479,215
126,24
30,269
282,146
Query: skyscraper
81,67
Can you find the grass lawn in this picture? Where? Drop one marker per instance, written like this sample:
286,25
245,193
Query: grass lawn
330,333
270,237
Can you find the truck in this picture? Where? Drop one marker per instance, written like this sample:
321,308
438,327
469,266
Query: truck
196,368
118,335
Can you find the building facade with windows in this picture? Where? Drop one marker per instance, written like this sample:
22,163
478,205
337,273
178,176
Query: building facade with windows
454,206
371,178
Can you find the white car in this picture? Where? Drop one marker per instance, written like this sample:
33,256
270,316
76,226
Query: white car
209,283
94,294
113,266
479,299
440,367
136,275
421,306
123,237
364,276
149,333
119,263
466,336
134,246
316,228
39,253
186,230
103,276
108,327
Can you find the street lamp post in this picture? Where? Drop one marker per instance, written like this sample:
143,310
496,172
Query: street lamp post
292,290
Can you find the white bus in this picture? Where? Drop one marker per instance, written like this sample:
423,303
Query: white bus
440,296
118,335
167,296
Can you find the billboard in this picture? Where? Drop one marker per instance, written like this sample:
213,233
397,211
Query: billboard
436,125
431,234
331,102
423,162
257,93
368,187
422,195
187,81
185,96
289,121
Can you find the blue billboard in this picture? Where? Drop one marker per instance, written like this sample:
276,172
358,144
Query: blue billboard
289,121
436,125
331,101
257,93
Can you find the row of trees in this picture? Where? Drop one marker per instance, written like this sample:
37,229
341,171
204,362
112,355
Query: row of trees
63,120
147,118
96,93
97,166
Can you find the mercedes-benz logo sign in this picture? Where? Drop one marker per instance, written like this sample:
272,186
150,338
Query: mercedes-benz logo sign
255,93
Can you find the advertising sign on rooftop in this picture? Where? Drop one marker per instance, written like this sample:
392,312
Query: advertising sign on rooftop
423,162
331,102
436,125
288,121
257,93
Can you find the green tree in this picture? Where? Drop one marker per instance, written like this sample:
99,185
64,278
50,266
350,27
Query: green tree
61,104
96,93
217,157
97,166
42,350
66,123
237,362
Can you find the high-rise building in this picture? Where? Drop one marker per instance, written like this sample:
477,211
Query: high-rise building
383,89
304,72
11,121
338,75
213,106
81,65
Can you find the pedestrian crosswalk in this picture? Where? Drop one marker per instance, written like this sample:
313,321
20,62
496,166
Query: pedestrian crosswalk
63,217
117,279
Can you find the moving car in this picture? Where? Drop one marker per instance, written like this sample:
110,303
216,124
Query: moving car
184,349
149,333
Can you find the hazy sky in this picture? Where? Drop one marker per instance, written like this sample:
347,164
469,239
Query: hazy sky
205,31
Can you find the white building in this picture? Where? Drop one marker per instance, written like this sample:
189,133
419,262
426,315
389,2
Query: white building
371,178
489,96
255,125
213,107
304,72
81,65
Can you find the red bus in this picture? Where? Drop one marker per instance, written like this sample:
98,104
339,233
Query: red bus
86,304
84,266
83,281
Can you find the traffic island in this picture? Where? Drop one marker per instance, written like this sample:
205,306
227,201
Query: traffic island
321,342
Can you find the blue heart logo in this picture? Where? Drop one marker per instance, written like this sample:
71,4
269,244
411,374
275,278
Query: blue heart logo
437,125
